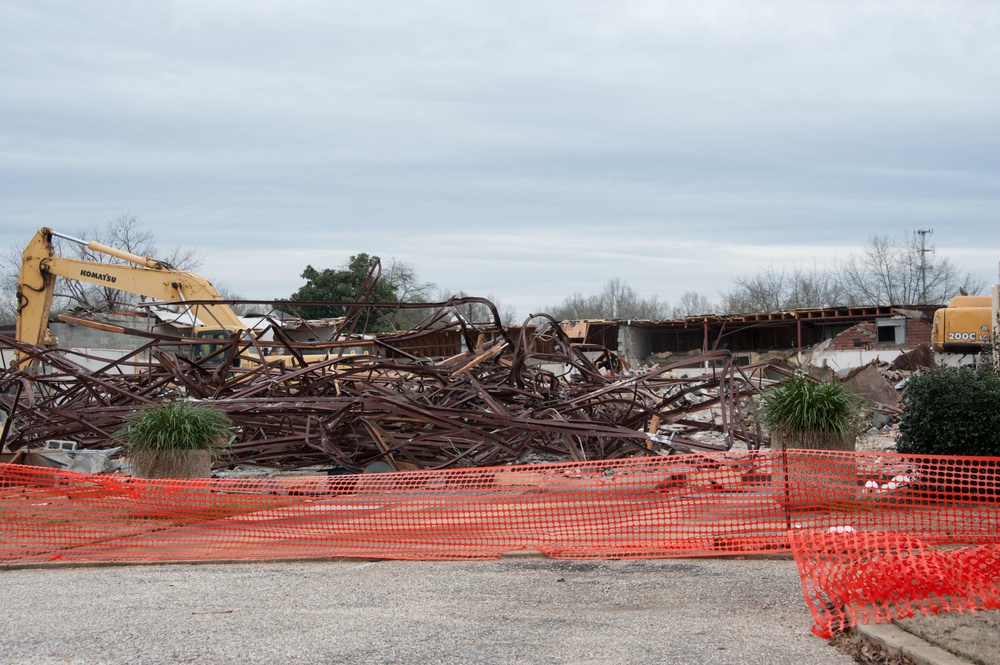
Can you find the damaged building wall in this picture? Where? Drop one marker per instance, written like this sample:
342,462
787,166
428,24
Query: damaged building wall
633,344
883,339
653,342
873,335
76,336
97,339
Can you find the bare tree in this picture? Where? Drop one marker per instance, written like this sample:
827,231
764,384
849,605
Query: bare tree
884,271
617,300
761,292
815,287
621,301
403,278
10,259
887,271
475,312
693,303
228,294
576,308
773,290
124,231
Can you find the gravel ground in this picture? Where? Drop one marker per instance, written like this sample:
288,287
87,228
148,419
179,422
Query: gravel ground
522,609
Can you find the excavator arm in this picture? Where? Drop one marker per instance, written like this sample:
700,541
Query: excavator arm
35,288
142,275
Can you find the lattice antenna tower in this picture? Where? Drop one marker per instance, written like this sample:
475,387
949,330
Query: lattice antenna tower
924,266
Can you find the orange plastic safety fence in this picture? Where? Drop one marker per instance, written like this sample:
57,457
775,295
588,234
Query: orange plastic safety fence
683,505
877,576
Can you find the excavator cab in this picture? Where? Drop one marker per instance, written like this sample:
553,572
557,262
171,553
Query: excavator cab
210,352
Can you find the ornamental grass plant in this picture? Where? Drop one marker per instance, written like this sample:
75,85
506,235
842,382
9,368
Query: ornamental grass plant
805,416
802,413
173,439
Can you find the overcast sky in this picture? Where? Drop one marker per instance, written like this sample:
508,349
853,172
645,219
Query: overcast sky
528,150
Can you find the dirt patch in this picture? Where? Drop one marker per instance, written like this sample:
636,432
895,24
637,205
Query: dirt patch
973,636
865,651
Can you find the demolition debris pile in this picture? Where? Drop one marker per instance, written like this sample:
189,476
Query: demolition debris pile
446,394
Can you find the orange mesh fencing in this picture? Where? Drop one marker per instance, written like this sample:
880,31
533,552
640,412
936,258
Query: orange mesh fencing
878,576
669,506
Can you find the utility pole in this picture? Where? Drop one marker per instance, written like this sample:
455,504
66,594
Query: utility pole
923,233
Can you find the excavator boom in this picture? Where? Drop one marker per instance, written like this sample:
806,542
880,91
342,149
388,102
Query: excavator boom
141,275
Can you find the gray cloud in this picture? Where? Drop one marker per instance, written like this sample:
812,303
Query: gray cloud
530,150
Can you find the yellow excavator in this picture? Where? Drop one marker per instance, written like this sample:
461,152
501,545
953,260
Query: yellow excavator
141,275
968,323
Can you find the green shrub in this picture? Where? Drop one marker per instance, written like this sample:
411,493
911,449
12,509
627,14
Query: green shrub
802,405
951,411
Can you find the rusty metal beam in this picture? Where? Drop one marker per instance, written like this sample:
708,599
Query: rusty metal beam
494,403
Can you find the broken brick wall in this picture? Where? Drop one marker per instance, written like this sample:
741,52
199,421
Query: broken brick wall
917,332
865,336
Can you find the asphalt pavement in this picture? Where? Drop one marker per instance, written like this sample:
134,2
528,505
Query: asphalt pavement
521,609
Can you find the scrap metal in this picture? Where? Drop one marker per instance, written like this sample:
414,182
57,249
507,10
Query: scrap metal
504,396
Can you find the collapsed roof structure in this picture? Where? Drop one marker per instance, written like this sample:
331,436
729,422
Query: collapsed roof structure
447,393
